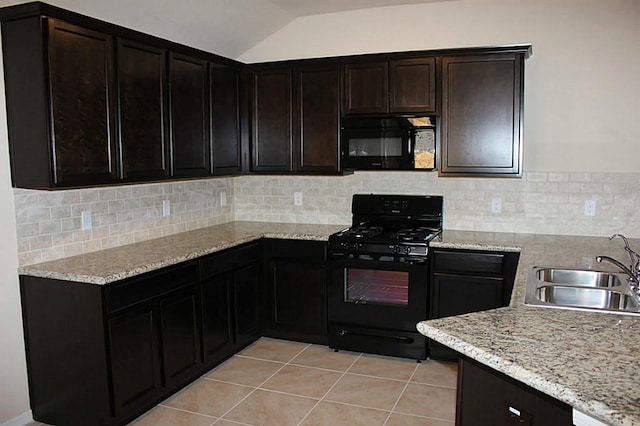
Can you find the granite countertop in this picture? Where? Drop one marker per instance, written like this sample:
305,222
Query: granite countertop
589,360
106,266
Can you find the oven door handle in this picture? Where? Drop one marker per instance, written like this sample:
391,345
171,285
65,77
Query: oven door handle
401,339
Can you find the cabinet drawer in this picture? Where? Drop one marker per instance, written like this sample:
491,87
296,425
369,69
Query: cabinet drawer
304,250
131,292
468,263
229,260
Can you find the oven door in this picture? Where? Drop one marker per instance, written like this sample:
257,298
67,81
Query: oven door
387,294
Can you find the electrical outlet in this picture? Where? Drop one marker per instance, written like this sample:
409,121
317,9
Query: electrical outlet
590,207
85,220
166,208
223,199
496,205
297,198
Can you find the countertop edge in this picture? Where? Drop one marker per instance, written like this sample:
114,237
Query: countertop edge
521,374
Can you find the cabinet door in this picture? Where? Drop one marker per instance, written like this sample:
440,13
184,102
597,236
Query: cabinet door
272,121
248,324
482,115
81,79
135,359
296,290
225,120
217,338
412,85
460,294
508,403
180,336
318,118
142,100
190,147
297,295
366,88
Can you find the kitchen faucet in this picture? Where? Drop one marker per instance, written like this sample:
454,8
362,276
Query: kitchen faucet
633,271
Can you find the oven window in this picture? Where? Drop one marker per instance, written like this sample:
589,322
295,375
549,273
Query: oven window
376,286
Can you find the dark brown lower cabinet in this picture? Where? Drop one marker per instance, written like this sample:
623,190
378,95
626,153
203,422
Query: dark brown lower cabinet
180,327
296,292
487,397
231,314
136,370
464,281
105,354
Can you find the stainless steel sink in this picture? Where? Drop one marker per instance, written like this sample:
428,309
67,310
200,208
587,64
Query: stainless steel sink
578,277
581,289
582,297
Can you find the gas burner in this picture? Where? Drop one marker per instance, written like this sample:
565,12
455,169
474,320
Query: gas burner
362,231
421,233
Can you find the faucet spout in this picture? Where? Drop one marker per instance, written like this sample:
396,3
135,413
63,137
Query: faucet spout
632,276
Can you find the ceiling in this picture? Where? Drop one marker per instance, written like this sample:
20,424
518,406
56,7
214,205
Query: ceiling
315,7
226,27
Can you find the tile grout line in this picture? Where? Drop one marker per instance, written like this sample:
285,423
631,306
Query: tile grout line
406,385
330,389
262,383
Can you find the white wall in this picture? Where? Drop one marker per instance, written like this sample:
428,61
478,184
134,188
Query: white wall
582,85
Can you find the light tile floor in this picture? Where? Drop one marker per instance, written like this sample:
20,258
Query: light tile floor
278,382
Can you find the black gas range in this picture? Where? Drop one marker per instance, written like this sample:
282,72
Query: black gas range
378,274
400,226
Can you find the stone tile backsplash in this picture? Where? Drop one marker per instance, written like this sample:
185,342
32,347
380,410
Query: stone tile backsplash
49,225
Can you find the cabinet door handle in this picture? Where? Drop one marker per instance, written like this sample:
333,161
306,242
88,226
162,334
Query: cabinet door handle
516,416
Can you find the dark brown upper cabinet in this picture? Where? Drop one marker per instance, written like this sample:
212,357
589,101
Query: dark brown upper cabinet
92,103
59,89
296,118
366,88
412,85
189,103
482,115
143,106
226,96
395,86
272,120
317,124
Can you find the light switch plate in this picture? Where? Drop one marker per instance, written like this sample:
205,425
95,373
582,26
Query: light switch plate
166,208
85,220
297,198
223,199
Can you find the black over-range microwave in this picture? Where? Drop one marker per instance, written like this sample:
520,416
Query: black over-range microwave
390,143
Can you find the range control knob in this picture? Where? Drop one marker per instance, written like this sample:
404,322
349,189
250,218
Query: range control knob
401,249
344,245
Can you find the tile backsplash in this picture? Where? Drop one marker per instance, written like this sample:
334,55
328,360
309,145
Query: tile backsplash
49,225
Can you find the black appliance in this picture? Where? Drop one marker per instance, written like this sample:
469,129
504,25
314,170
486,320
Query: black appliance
393,143
379,275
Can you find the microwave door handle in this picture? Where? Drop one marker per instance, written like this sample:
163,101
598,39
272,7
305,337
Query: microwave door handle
410,147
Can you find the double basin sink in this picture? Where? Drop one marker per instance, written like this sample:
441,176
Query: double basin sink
581,289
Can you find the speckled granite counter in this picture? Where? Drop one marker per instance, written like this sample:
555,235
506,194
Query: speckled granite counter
588,360
118,263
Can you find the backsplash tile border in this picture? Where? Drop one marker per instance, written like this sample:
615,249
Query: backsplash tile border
48,222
